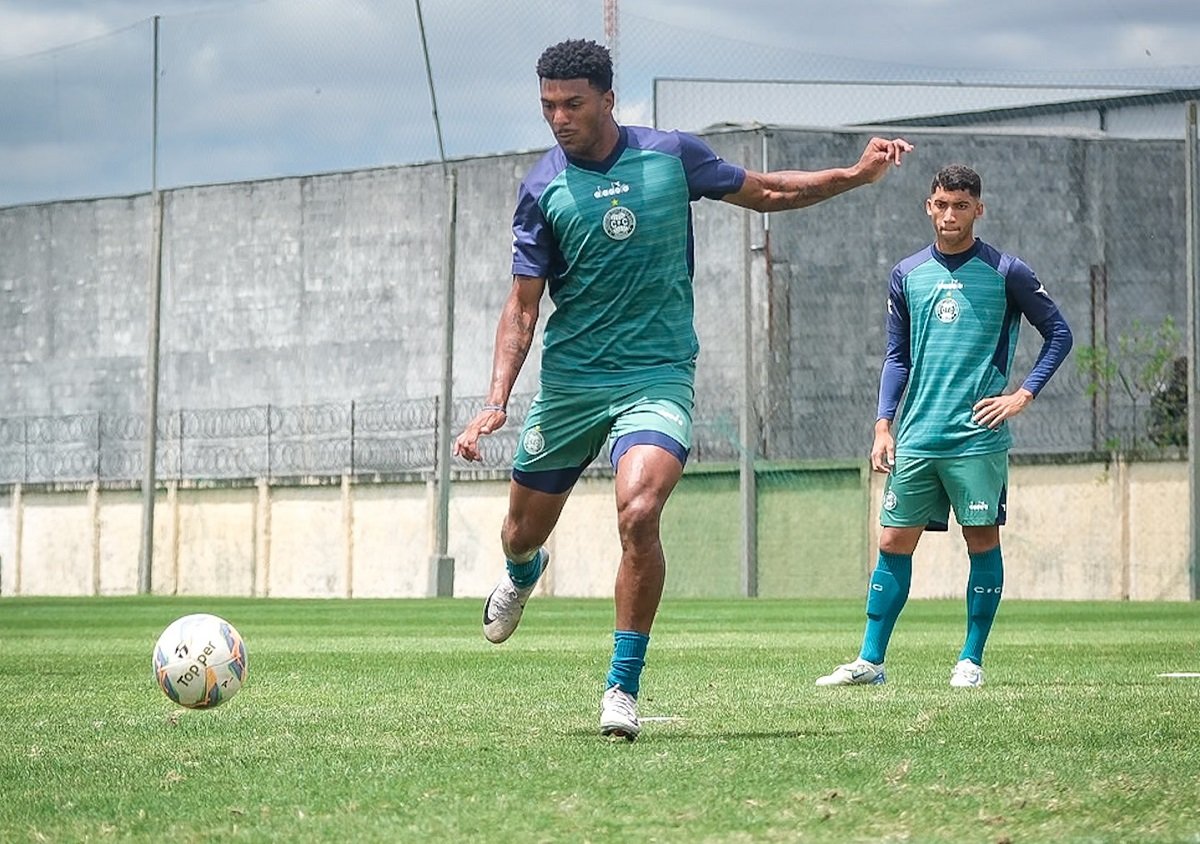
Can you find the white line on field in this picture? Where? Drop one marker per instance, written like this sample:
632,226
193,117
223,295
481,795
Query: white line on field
1181,674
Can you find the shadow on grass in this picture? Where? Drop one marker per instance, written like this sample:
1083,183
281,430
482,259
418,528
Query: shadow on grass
708,736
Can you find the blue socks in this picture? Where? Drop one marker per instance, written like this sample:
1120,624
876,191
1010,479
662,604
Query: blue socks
527,573
983,598
629,655
890,583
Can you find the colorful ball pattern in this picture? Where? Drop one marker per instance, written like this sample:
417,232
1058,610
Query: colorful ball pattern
200,661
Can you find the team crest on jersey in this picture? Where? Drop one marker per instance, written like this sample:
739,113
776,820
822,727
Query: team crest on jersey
889,501
619,222
946,310
534,441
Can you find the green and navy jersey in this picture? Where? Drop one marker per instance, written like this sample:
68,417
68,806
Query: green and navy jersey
952,324
613,239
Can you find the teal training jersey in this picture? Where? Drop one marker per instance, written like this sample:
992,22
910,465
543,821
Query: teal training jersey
613,239
953,322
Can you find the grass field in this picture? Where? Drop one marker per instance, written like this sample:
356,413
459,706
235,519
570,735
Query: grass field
396,721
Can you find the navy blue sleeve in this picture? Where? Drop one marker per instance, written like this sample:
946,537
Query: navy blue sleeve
897,360
1030,297
1057,342
534,249
708,174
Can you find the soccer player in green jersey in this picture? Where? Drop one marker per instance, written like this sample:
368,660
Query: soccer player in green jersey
603,222
953,313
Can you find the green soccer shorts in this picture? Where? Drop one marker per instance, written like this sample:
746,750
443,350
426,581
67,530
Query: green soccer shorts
566,429
921,490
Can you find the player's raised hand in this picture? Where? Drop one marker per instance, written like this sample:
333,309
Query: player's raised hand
486,421
880,154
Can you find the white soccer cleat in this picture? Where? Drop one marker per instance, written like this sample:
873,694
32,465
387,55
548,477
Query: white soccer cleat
857,673
502,610
966,675
618,715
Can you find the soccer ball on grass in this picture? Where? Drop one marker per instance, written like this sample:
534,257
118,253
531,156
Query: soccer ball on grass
200,661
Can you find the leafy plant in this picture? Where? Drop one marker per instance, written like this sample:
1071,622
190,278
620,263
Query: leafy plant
1146,368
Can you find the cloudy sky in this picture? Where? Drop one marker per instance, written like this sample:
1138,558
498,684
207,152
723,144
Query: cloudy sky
262,88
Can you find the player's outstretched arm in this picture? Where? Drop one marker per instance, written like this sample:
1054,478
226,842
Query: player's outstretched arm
784,190
514,336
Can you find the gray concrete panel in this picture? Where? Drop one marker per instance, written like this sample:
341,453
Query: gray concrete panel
326,288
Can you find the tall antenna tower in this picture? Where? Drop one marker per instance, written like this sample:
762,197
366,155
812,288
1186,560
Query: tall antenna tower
611,28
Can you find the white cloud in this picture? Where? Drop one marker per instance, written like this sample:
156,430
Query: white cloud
271,87
24,31
1158,45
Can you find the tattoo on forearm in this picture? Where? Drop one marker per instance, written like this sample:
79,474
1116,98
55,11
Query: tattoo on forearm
801,189
512,346
519,337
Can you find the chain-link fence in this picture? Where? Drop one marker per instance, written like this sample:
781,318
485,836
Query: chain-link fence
341,86
270,89
392,438
273,89
361,439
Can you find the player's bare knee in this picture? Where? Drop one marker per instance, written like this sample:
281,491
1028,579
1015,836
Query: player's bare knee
638,518
981,539
893,540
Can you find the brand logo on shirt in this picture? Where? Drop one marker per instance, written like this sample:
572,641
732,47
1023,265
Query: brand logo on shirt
952,284
534,441
615,189
619,222
946,310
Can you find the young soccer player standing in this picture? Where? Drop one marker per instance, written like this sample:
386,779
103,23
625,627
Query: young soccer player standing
954,310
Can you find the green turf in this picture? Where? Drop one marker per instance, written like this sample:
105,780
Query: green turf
395,721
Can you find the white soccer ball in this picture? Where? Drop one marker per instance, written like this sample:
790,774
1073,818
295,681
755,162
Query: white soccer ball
200,661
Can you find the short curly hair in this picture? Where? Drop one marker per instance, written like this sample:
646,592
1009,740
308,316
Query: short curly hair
958,177
578,59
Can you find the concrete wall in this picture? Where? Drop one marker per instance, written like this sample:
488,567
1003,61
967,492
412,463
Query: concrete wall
1071,207
1082,531
1088,531
326,288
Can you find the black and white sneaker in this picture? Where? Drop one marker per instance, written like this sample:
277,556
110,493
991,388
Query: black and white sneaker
503,608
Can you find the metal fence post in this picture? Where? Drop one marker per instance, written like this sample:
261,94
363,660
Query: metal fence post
351,436
749,422
1192,194
99,441
268,441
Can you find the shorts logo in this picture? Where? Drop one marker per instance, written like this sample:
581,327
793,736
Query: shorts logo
670,417
619,222
889,501
534,441
946,310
